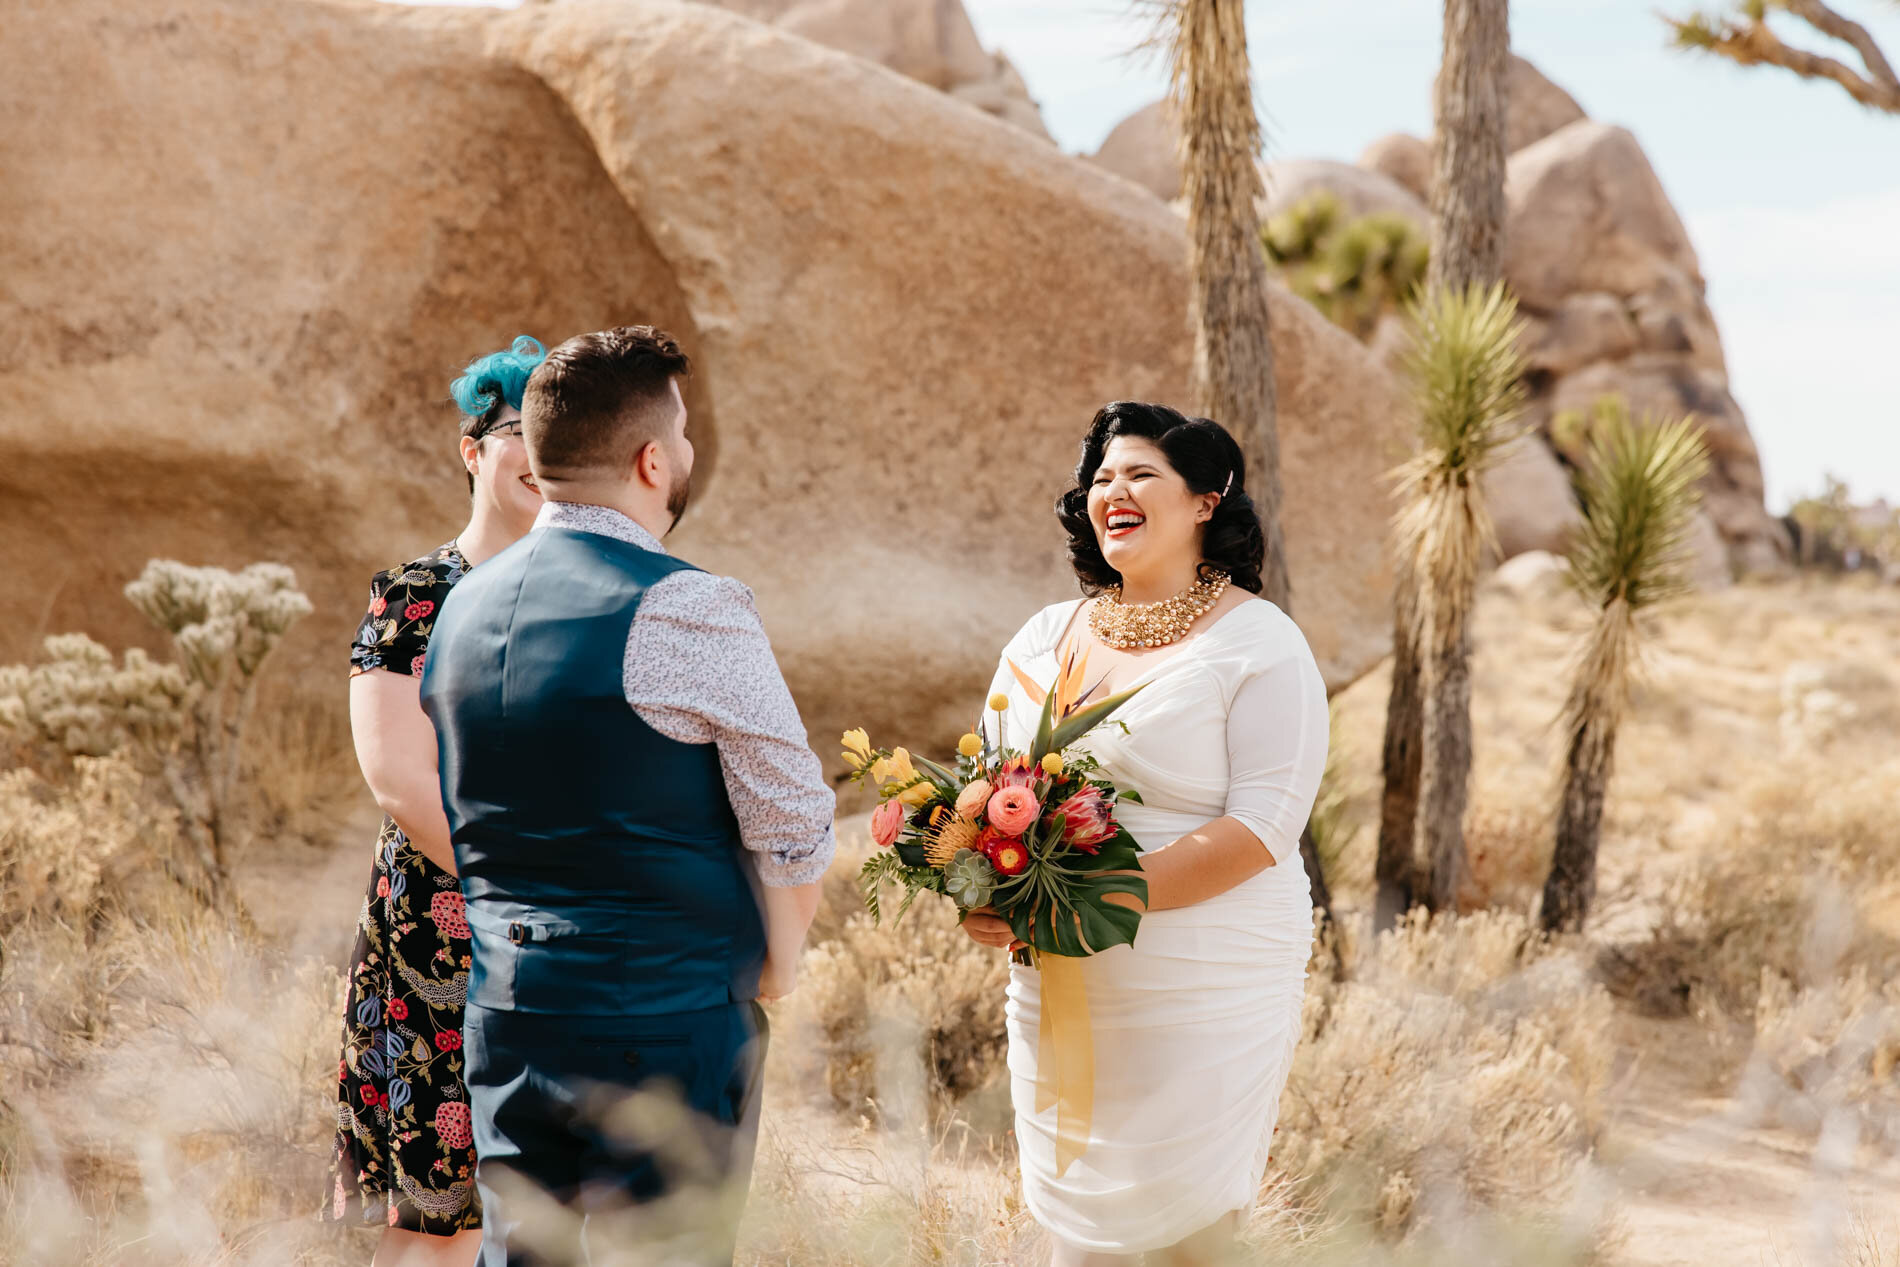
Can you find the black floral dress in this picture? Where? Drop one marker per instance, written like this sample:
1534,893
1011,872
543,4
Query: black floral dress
404,1154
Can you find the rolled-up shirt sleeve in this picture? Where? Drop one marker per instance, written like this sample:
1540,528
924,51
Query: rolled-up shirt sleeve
699,669
1277,730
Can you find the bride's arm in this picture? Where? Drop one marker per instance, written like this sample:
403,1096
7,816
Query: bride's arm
1276,753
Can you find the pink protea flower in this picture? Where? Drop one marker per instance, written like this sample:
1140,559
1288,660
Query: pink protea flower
1090,824
887,820
1014,810
1018,772
451,1123
450,913
972,799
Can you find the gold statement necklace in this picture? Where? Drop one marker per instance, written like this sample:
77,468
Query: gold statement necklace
1125,625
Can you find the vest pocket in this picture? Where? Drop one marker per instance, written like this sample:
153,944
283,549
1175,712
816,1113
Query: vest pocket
501,945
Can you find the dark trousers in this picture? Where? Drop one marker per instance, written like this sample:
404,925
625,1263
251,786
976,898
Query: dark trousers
611,1141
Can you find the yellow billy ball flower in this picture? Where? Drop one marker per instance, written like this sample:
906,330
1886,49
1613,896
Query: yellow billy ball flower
1052,764
999,702
970,745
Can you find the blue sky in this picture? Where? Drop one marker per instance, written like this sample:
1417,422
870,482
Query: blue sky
1791,192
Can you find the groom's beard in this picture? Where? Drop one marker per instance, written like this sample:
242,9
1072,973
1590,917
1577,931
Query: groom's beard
678,499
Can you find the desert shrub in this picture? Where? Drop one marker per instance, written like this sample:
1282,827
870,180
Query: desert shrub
1461,1065
1354,270
1784,949
1794,897
185,721
886,1002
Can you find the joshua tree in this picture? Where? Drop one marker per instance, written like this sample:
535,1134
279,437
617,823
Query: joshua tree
1212,86
1465,365
1639,490
1745,37
1467,249
1227,278
1468,121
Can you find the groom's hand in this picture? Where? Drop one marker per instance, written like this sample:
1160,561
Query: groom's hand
987,928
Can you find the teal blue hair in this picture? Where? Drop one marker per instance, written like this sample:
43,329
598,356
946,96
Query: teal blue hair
490,380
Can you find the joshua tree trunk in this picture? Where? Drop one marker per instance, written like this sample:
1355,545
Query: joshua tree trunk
1468,109
1445,648
1571,888
1396,869
1227,274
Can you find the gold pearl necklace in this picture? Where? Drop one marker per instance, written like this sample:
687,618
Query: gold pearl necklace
1124,625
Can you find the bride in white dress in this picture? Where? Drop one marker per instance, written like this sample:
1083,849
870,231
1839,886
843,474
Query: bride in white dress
1195,1024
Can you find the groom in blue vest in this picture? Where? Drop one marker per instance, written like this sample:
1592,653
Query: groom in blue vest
640,829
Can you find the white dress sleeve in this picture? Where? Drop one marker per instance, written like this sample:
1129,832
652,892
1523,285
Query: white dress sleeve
1277,730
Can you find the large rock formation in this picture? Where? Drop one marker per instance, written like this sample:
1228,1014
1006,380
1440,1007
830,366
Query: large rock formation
1603,267
1613,295
1144,148
1536,107
932,41
279,231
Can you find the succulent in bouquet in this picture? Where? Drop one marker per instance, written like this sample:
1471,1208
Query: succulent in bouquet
1028,831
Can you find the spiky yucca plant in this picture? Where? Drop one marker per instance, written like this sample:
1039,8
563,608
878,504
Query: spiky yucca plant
1640,495
1465,369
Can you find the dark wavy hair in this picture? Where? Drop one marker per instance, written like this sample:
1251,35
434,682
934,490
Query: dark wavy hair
1205,456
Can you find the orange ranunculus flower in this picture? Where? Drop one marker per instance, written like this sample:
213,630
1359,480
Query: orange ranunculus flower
1014,810
972,799
887,820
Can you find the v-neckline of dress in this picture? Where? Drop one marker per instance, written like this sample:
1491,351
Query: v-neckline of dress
1141,679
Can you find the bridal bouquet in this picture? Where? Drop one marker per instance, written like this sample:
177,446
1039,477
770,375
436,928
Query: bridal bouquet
1029,832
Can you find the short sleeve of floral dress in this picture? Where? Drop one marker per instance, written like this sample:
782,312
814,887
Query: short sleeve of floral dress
404,1155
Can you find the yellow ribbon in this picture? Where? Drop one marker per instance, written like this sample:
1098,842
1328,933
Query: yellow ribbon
1065,1056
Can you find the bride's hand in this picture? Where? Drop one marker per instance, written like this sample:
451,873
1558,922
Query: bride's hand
987,928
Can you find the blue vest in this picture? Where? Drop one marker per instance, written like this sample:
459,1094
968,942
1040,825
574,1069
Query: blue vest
601,861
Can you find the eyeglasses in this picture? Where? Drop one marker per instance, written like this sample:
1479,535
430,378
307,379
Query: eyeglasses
505,429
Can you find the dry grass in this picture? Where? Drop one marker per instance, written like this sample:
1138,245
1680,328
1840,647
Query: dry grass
165,1075
1461,1066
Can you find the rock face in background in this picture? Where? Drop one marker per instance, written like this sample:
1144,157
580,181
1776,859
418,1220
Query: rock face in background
1404,159
1142,149
1292,181
285,229
1614,300
932,41
1537,106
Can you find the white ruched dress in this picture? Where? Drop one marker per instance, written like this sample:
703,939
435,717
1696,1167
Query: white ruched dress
1195,1024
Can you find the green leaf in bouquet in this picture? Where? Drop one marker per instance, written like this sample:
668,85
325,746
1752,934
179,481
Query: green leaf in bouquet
1130,795
1064,911
911,853
947,783
877,868
1045,730
1086,720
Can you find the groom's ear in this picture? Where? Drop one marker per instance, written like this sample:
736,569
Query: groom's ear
647,464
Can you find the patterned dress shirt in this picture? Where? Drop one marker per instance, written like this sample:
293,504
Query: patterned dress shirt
699,669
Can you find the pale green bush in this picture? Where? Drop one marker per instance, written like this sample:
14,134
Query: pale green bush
185,721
